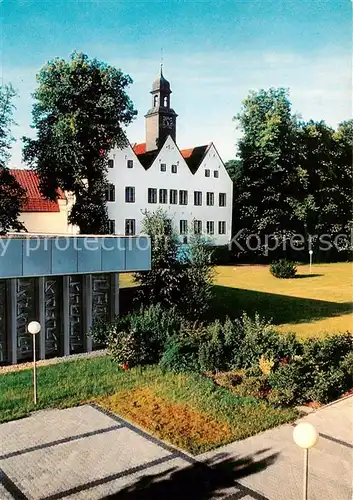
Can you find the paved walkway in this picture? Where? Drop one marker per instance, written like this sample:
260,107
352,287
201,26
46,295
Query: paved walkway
87,453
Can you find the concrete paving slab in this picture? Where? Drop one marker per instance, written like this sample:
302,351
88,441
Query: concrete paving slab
330,462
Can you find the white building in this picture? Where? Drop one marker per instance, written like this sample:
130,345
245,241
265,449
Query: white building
192,185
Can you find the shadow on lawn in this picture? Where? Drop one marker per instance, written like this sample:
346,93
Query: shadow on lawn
282,308
301,276
200,480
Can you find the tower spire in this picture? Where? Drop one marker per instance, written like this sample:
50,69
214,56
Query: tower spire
161,61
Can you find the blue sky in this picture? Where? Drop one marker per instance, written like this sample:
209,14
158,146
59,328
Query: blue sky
214,53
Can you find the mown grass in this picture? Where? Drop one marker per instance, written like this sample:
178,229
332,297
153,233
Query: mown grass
309,305
189,411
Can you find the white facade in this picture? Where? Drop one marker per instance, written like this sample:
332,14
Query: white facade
141,179
160,167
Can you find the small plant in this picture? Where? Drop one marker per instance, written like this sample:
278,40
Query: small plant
266,365
283,268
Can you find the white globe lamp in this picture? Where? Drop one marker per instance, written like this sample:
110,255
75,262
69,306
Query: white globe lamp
305,436
34,327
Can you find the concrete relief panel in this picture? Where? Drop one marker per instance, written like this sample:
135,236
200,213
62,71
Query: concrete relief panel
53,315
75,315
3,342
25,312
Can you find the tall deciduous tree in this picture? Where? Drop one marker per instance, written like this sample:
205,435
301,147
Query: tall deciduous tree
266,176
11,193
80,110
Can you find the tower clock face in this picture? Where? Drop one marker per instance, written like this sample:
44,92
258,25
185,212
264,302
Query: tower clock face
167,122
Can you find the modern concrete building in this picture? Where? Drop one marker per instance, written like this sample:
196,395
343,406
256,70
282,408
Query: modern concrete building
192,185
64,282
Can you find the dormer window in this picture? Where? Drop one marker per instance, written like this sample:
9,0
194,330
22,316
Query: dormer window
155,101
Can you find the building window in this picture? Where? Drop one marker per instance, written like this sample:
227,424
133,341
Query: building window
111,226
222,199
183,197
221,227
152,195
183,227
110,193
110,163
130,227
155,101
163,167
130,194
173,197
185,240
215,173
207,172
210,227
130,163
210,199
174,169
197,226
197,198
163,196
165,102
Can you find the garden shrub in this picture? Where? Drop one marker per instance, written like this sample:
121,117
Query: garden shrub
138,337
259,338
228,379
252,386
328,351
180,355
283,269
327,386
292,381
346,366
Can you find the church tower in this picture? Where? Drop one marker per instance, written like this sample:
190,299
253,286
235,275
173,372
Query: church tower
161,118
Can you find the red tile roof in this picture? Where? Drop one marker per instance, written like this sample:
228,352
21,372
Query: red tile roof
192,156
35,201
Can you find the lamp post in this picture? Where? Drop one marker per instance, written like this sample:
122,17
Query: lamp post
305,436
310,259
34,328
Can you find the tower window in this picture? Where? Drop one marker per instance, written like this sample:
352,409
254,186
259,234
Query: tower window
129,194
165,102
222,199
173,197
111,226
130,163
210,199
215,173
197,198
210,227
110,163
221,227
152,195
183,197
174,169
155,101
163,167
110,193
130,227
207,172
163,195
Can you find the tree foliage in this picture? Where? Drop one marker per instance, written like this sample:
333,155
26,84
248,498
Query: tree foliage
80,110
178,278
290,177
12,195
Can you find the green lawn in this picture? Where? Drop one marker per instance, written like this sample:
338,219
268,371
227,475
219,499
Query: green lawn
189,411
309,305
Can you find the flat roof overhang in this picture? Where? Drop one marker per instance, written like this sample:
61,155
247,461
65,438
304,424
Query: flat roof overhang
35,255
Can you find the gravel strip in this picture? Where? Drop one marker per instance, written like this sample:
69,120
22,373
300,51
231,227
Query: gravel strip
53,361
